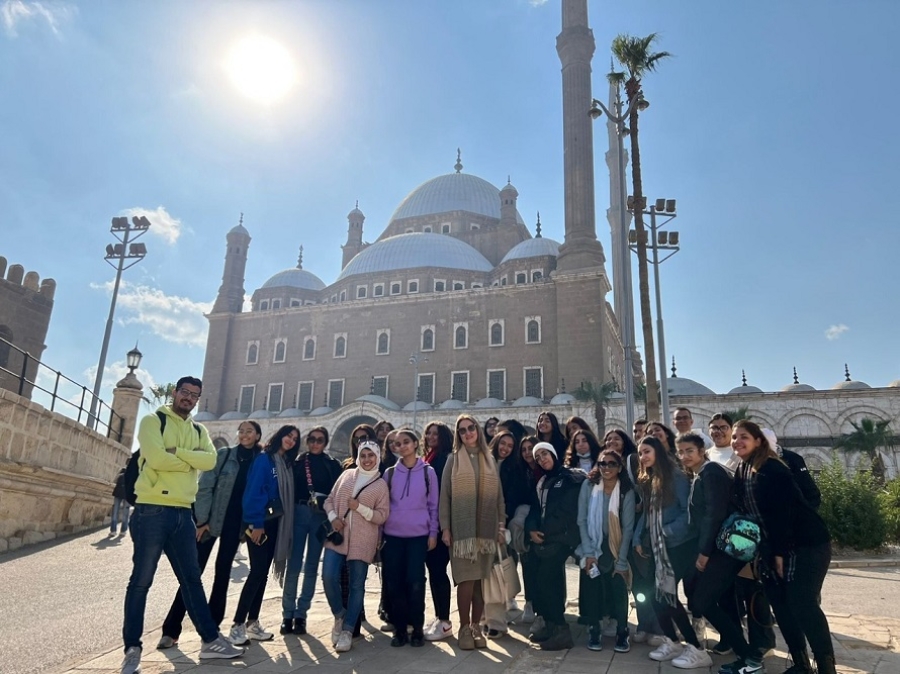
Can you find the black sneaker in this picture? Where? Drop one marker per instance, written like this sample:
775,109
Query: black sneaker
721,647
401,639
299,625
742,666
417,639
623,644
560,639
287,626
594,639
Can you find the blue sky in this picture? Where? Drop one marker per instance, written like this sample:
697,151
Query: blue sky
773,126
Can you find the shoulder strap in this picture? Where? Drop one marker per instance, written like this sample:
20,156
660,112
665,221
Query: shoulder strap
162,422
388,477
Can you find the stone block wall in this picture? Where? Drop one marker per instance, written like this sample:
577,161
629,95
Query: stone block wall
56,475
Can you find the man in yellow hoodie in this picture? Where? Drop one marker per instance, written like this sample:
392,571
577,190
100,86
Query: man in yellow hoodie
173,451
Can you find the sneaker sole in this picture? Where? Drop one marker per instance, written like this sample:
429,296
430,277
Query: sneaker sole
596,649
438,637
212,655
259,637
622,650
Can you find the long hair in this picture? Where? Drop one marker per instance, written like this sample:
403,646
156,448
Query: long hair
670,434
531,440
557,439
457,439
515,427
494,444
350,461
571,458
578,421
596,477
628,446
445,437
762,453
274,443
658,482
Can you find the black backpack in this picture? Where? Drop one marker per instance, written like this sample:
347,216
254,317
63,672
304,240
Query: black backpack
135,464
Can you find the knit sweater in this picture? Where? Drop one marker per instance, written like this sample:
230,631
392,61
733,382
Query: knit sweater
362,528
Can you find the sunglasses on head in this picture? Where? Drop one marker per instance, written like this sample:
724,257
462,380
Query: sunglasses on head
608,464
467,429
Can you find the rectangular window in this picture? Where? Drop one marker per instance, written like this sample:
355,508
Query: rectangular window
335,393
460,388
496,384
276,392
246,404
305,396
426,388
534,382
380,386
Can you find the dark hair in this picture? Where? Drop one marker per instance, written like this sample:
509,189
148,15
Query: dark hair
691,438
724,416
762,453
533,439
557,439
628,446
670,434
514,427
405,430
381,424
486,422
581,423
495,443
684,409
320,429
596,477
445,437
658,482
274,443
370,435
571,458
193,381
256,447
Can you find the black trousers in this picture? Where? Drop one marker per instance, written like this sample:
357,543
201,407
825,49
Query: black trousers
529,566
682,558
403,563
261,556
550,592
436,561
605,595
711,591
228,547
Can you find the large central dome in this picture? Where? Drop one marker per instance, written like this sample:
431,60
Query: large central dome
452,192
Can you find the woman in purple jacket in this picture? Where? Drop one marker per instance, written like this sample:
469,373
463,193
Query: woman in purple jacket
410,531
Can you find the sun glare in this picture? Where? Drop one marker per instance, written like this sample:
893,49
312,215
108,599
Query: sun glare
261,68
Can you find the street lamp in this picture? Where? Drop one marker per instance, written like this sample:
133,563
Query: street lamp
665,241
414,360
133,359
116,255
626,321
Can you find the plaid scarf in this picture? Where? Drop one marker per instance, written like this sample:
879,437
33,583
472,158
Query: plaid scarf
666,584
473,507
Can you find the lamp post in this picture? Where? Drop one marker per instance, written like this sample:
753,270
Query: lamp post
666,241
414,360
116,255
626,320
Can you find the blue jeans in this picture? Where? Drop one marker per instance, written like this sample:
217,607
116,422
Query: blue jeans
156,530
331,579
120,507
306,522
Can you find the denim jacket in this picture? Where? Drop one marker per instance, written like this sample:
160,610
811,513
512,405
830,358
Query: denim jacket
676,529
212,497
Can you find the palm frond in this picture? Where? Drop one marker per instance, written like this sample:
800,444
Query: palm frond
616,78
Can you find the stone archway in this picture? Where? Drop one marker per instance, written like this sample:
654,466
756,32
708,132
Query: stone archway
339,446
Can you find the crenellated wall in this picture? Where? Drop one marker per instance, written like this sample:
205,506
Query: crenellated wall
56,475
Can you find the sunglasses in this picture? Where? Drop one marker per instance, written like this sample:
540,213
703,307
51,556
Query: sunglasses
467,429
315,440
608,464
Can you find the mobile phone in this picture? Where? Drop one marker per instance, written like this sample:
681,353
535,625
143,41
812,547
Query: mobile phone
262,539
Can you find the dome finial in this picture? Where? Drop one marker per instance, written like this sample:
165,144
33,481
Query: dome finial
796,379
847,373
562,385
357,203
537,227
458,165
674,369
300,259
241,221
743,378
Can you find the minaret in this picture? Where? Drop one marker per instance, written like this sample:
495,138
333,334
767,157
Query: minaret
575,46
231,293
509,196
354,243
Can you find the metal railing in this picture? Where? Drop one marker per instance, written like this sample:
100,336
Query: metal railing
27,376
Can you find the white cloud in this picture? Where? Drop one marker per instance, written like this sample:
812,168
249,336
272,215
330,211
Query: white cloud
537,3
163,225
835,331
179,320
13,13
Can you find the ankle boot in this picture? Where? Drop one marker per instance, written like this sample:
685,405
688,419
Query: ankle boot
560,639
801,664
825,664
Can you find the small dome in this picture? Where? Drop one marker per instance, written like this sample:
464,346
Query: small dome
744,388
413,250
417,405
682,386
260,414
295,278
850,386
379,400
321,411
239,229
894,384
451,404
233,416
797,388
537,247
452,192
205,416
489,402
527,401
562,399
290,412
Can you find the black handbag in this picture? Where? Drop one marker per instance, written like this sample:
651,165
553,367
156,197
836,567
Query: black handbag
274,509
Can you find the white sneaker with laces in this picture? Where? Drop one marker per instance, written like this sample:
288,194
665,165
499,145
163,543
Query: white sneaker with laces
655,640
336,630
220,649
668,650
238,635
132,662
439,630
256,632
344,642
692,658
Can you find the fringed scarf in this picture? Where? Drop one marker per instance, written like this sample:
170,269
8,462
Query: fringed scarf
666,585
285,522
473,507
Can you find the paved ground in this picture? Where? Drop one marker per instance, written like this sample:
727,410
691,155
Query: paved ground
63,607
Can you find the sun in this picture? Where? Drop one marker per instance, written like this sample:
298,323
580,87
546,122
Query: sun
261,68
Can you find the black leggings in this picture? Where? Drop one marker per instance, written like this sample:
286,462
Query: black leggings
437,560
711,591
550,593
261,556
682,558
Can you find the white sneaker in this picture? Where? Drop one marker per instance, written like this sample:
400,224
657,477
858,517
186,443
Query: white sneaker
692,658
528,613
669,650
256,632
655,640
344,642
220,649
439,630
639,637
132,662
610,628
336,630
238,635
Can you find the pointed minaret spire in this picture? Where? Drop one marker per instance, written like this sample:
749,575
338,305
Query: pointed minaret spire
537,227
847,373
300,259
241,221
458,164
743,378
796,378
674,369
562,385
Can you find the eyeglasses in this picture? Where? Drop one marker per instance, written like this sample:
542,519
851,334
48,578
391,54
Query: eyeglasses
315,440
723,428
463,430
189,394
608,464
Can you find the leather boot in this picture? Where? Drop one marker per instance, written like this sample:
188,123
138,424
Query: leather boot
825,664
801,664
560,640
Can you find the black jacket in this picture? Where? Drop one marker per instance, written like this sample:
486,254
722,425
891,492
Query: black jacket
805,481
517,489
558,520
709,505
324,470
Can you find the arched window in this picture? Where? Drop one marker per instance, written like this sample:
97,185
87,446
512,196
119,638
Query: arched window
462,337
497,334
309,349
533,331
536,276
383,344
428,340
520,277
252,353
340,347
280,349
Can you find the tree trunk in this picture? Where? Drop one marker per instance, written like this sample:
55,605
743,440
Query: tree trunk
652,402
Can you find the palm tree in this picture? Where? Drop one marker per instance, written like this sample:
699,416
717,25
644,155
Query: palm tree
742,412
599,394
161,394
635,55
867,437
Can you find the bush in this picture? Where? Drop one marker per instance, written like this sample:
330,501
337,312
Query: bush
851,508
890,509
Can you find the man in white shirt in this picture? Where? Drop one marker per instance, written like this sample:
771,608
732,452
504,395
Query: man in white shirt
721,451
683,421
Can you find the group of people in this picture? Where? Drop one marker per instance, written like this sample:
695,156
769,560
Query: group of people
638,514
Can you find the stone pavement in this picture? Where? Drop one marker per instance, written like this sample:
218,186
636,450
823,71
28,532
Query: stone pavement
870,645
